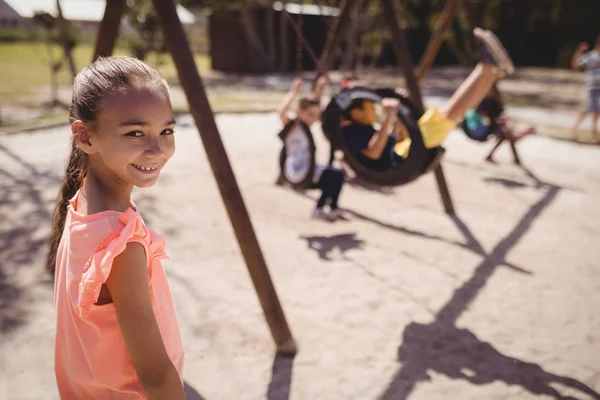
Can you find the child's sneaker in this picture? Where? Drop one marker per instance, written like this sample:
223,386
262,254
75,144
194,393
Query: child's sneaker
319,213
494,53
336,214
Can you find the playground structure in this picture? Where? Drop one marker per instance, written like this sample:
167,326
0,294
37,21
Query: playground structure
401,302
204,118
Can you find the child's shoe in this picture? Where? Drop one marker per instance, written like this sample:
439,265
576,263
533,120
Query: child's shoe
494,53
319,213
336,214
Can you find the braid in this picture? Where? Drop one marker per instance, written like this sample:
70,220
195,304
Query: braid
74,175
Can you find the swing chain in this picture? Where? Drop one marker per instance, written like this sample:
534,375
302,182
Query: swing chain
299,43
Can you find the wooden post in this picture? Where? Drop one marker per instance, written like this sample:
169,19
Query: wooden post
444,191
490,156
433,46
402,54
334,36
404,59
200,108
108,31
513,147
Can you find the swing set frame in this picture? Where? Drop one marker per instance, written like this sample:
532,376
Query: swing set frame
203,115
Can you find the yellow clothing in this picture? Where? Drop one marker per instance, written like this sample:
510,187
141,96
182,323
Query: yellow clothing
401,148
434,129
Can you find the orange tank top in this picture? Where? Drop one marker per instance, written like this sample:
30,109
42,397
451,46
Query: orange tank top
91,360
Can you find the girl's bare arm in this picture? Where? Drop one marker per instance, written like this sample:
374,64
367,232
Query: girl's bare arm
129,289
287,100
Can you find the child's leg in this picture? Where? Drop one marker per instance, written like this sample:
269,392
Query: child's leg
595,126
323,199
495,62
580,118
337,182
327,184
471,92
436,124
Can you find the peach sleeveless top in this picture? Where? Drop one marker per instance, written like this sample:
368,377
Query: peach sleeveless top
91,360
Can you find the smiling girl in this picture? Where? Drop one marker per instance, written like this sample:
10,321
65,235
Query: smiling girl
116,334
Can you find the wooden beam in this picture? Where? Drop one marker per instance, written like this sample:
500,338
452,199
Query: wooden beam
201,111
403,57
108,30
334,36
300,34
435,42
405,60
444,191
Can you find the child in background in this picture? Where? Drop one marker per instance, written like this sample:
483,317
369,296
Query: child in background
327,178
378,150
116,333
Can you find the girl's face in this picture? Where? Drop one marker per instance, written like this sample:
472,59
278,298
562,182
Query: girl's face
132,138
310,115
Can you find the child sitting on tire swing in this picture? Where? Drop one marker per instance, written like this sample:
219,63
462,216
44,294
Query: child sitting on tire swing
327,178
378,150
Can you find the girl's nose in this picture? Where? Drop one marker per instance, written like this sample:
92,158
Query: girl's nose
154,148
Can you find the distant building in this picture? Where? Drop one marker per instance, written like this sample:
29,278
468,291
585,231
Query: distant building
230,49
18,13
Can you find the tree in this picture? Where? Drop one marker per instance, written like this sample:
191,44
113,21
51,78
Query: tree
142,17
56,30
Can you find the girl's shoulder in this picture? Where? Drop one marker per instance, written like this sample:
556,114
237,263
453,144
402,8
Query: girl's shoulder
103,236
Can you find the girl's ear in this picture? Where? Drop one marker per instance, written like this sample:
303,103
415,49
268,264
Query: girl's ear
81,135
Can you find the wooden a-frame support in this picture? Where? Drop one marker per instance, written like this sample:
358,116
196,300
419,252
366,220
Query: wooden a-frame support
406,64
203,116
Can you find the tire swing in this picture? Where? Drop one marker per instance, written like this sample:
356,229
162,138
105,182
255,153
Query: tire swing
297,157
420,159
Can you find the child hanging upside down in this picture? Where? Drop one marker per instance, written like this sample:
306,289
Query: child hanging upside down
298,153
380,150
499,124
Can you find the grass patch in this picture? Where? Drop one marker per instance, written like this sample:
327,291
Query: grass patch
24,67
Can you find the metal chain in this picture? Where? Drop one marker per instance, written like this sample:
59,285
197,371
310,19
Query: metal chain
299,42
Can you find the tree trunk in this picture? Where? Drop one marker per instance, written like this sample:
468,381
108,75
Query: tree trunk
65,40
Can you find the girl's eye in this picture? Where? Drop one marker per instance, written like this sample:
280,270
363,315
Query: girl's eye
167,132
134,134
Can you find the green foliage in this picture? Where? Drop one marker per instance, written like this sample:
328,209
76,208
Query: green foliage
14,35
148,36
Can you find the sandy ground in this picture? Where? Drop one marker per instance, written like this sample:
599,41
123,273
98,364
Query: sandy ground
402,302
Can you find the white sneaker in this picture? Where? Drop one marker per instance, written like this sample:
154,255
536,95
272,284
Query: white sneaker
319,213
336,214
495,49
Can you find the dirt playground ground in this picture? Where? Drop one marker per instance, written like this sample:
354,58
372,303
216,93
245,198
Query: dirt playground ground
402,302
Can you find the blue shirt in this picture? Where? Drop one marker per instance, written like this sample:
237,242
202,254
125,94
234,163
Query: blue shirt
591,62
357,137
